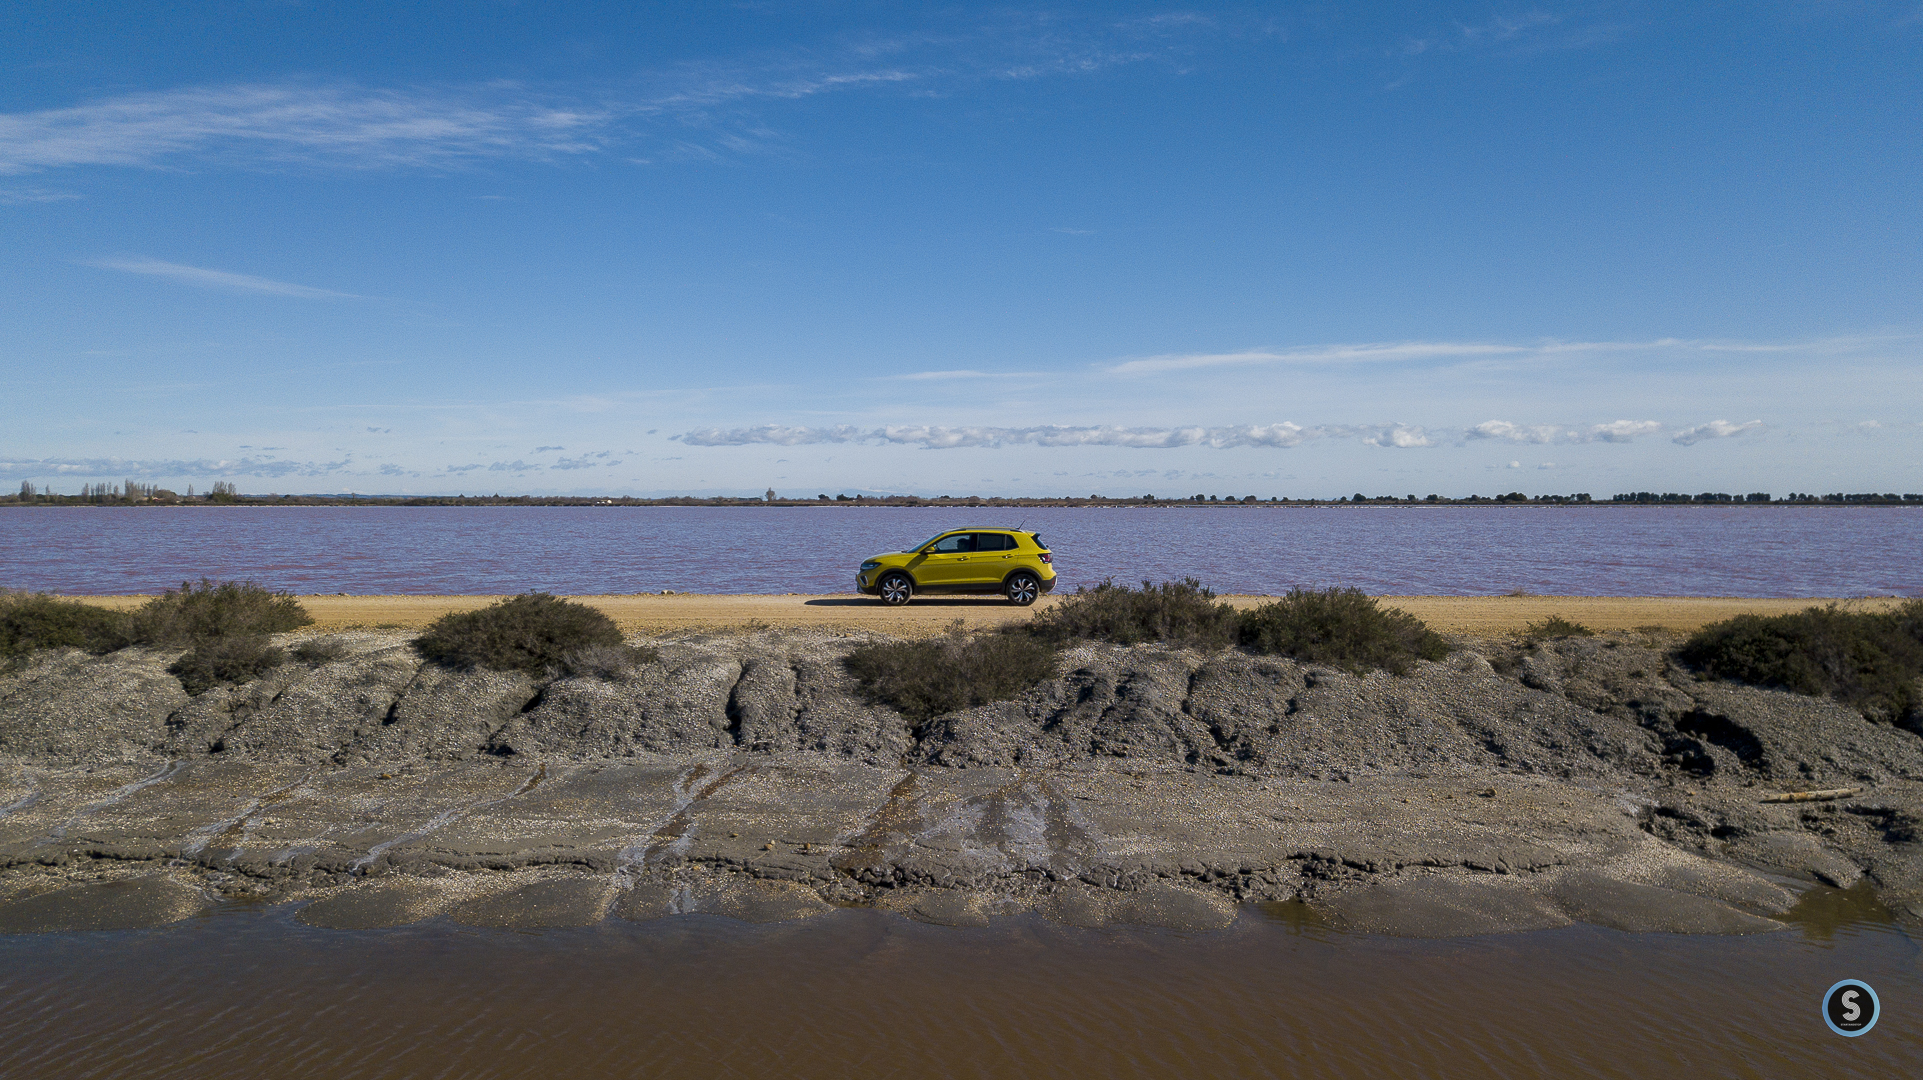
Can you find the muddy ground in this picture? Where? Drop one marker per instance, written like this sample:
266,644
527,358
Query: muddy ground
1507,787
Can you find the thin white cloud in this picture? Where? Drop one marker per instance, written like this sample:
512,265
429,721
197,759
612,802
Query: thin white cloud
1508,432
1715,429
1281,435
935,437
218,279
446,126
1419,351
1401,436
947,437
770,434
22,196
1325,354
267,124
962,373
147,468
1616,431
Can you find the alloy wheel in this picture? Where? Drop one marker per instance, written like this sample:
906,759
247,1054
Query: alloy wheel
896,589
1023,589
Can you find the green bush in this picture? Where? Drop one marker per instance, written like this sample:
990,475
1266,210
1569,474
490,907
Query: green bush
30,621
924,679
534,632
1555,626
1344,628
1870,661
196,613
1182,613
234,658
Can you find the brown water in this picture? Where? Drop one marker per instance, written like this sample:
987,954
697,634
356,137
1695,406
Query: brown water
859,994
1439,550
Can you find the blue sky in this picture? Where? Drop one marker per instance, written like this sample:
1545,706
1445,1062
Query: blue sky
1284,249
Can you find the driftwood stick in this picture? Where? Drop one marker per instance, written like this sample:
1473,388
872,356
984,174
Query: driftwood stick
1813,796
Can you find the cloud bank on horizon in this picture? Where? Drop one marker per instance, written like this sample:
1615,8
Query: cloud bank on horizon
789,245
1275,436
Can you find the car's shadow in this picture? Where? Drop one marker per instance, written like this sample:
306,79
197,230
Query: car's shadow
919,601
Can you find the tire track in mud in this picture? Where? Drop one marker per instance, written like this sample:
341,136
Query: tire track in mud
122,794
673,835
1021,826
445,818
247,821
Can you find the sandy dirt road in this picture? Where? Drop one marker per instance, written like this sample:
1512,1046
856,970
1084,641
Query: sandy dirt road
928,615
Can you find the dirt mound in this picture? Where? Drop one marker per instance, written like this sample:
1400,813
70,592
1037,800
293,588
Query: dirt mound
1608,735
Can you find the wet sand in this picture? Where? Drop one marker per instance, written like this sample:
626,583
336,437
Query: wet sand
1476,615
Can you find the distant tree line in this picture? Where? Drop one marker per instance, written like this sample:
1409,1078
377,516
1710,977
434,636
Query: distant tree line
1764,497
133,492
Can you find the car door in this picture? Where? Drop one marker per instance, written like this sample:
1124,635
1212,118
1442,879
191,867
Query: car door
994,558
945,564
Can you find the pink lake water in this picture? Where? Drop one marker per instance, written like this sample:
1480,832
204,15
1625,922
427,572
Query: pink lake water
856,993
1420,550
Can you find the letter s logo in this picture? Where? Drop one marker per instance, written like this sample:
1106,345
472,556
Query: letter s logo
1850,1008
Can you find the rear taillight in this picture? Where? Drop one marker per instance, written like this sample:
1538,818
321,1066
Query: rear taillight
1048,558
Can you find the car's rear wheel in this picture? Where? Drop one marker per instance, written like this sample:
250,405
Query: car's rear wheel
1022,589
896,589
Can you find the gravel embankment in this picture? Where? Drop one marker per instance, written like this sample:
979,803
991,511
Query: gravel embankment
740,774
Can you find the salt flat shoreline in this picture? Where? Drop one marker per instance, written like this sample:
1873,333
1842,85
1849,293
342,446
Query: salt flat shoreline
740,772
654,613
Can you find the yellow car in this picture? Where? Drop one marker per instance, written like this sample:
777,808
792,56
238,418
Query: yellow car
1008,561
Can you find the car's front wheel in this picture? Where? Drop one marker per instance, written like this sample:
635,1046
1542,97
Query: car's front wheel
896,589
1022,589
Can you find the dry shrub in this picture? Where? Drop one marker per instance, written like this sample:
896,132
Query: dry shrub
233,659
924,679
1868,660
32,621
323,651
1343,628
1555,626
1182,613
195,613
535,633
607,661
223,624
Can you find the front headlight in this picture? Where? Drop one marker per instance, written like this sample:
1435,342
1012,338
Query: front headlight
871,565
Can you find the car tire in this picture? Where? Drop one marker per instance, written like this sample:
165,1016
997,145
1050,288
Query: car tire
895,589
1022,589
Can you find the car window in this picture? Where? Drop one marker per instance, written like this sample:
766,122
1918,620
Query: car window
924,543
949,545
994,542
1039,542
